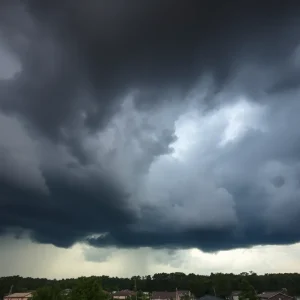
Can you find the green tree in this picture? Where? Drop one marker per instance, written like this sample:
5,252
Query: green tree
88,288
247,291
48,293
222,283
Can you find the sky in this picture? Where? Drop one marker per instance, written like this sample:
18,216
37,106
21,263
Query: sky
163,133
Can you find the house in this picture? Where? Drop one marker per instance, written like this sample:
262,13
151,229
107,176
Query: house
176,295
163,296
125,294
274,296
19,296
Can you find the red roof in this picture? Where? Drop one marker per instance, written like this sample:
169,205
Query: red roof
124,293
168,295
163,295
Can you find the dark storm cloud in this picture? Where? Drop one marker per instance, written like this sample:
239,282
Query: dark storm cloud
205,240
106,48
61,179
73,210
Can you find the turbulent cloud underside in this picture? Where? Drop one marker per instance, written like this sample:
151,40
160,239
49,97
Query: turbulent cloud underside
163,125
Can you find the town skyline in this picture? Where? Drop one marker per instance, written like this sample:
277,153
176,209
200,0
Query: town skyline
163,286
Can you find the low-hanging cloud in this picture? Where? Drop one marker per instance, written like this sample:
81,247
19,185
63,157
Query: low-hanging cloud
157,125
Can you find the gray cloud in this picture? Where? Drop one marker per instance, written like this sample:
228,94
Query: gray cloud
156,125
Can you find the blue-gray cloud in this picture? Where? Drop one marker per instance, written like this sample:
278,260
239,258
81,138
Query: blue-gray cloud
158,124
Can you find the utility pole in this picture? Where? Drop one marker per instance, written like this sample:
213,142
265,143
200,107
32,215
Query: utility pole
10,290
135,289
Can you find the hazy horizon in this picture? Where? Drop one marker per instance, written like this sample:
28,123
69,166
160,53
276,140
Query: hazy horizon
141,136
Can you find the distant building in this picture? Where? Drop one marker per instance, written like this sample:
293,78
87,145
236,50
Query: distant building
163,296
123,294
274,296
176,295
19,296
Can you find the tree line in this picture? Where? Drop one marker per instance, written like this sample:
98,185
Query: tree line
216,283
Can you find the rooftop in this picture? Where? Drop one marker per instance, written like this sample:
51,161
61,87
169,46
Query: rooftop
19,295
168,295
163,295
124,293
267,295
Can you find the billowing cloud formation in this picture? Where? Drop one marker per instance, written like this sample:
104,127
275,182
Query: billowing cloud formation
150,124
